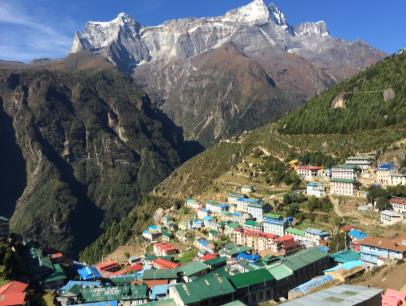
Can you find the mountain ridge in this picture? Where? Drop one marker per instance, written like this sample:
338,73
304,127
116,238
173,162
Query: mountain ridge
302,60
80,146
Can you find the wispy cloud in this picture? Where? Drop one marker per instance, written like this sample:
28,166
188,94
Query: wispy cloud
27,34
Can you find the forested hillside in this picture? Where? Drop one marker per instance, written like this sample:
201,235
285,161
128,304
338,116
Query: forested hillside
80,149
374,98
198,174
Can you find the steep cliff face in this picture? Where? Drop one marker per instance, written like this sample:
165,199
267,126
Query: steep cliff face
82,149
174,61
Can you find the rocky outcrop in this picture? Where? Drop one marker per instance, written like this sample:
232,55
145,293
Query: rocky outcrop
82,149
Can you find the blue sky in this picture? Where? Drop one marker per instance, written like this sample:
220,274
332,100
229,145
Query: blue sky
44,28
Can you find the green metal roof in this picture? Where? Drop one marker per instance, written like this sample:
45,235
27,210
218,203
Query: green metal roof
345,166
338,180
153,274
251,278
235,303
126,292
204,289
274,216
303,258
280,271
295,231
213,232
252,223
164,302
345,256
232,249
123,279
216,261
192,268
232,225
166,233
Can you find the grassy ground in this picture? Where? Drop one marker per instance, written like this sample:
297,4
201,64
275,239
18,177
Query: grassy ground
188,256
49,299
392,276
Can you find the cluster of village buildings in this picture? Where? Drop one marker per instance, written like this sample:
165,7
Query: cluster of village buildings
242,254
344,180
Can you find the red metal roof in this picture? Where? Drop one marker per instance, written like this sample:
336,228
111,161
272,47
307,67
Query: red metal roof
156,282
254,233
165,264
306,167
13,287
107,265
128,269
56,255
346,228
401,201
284,239
208,256
13,294
164,246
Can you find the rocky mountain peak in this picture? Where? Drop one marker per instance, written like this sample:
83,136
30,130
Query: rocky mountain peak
277,15
256,13
312,29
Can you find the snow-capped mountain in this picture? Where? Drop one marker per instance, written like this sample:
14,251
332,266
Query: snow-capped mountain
295,62
125,40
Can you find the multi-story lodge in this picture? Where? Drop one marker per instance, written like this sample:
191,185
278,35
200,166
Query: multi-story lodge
193,204
343,180
384,172
4,228
362,162
216,208
243,203
378,250
387,174
397,179
398,205
308,172
315,237
256,240
343,187
315,189
275,224
232,198
258,209
344,171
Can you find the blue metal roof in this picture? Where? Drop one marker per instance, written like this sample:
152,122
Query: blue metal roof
203,242
317,232
208,218
71,283
158,290
88,273
313,284
385,166
248,200
357,234
313,184
347,266
249,257
324,249
237,214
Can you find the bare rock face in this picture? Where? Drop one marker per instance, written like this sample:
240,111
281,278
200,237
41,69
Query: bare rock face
173,63
339,102
158,215
389,94
77,152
